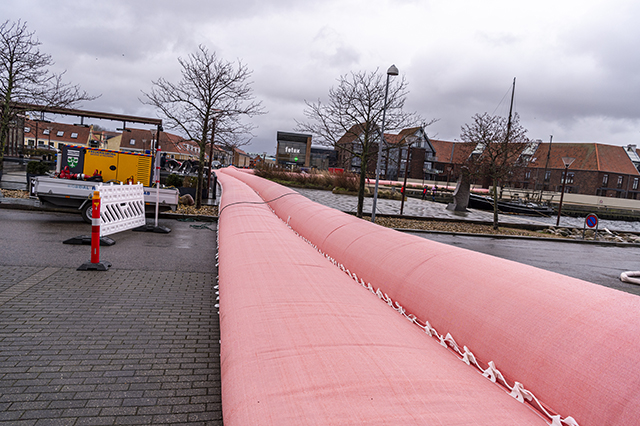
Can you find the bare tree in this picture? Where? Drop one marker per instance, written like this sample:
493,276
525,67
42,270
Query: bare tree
25,78
499,144
208,102
350,120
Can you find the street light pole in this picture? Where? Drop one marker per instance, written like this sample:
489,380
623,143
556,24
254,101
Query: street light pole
391,71
567,162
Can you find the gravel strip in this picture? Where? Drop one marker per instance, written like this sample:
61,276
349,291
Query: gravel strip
457,227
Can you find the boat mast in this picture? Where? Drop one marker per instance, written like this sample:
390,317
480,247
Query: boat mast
513,92
506,139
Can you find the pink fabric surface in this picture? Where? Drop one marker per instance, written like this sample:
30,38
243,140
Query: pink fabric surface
303,343
574,344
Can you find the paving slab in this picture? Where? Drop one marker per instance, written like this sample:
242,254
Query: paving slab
137,344
430,209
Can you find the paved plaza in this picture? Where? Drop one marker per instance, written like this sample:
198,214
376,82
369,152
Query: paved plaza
429,209
138,344
412,207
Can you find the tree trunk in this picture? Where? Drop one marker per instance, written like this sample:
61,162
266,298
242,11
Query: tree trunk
5,119
363,178
199,185
495,204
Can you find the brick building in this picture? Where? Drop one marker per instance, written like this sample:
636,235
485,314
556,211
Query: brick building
414,144
411,143
597,169
449,158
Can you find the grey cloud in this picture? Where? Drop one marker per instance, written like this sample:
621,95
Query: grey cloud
576,73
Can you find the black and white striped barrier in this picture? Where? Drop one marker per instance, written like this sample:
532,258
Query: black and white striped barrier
122,207
115,208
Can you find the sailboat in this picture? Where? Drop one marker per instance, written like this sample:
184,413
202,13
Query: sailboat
513,206
481,202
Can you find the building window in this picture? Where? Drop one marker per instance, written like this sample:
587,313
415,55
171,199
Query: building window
527,175
570,177
74,136
60,133
31,142
27,129
605,180
635,183
547,176
46,131
620,179
132,141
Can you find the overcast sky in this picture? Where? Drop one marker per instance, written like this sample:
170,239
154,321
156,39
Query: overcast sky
576,63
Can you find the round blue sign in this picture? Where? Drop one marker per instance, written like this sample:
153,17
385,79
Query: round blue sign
591,221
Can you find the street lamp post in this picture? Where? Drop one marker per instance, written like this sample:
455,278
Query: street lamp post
391,71
567,162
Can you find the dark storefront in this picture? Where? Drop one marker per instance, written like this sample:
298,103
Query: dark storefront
294,149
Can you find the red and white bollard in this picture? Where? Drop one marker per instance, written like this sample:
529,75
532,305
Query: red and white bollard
95,264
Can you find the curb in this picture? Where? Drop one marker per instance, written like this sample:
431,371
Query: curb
180,216
520,237
30,205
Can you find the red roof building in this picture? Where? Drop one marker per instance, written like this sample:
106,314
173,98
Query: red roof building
43,134
411,143
597,169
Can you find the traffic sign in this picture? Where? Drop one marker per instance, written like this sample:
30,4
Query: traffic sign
591,221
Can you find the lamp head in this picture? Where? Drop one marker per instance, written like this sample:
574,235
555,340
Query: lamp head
568,161
392,70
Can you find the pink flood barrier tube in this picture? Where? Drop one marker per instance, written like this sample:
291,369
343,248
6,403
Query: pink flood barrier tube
303,343
573,344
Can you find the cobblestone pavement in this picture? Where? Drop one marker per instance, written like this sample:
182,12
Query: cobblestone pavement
429,209
127,346
412,207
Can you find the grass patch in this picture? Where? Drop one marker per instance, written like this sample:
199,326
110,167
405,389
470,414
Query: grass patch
312,180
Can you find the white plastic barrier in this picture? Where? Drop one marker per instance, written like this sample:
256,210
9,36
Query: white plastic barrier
122,207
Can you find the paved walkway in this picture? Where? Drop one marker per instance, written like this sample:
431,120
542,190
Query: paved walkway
412,207
138,344
14,176
430,209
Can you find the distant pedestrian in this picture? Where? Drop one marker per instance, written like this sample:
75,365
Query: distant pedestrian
433,192
424,192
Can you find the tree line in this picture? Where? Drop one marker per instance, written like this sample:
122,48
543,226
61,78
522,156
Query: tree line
214,97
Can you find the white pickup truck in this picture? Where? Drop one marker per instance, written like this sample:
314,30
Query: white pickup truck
76,194
69,189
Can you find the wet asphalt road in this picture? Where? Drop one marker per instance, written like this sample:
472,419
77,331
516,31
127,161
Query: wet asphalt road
34,238
594,263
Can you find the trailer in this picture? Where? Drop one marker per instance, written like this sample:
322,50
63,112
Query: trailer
79,170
